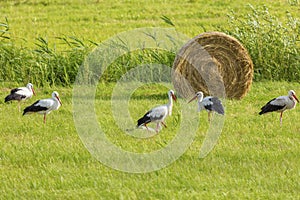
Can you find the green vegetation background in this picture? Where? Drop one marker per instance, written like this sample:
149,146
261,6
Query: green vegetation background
46,41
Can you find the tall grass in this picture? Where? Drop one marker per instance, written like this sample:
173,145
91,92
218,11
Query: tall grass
58,68
273,44
151,58
43,66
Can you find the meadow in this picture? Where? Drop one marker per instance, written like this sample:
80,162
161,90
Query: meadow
45,42
255,157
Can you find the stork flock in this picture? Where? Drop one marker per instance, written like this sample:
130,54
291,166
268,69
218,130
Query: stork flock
155,115
213,104
158,114
42,106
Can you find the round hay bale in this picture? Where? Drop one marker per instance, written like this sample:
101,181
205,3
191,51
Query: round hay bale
214,63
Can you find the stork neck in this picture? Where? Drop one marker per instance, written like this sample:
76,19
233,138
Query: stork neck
200,106
29,88
170,103
55,99
200,99
292,99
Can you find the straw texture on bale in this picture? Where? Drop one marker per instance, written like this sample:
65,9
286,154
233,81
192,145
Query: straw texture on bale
214,63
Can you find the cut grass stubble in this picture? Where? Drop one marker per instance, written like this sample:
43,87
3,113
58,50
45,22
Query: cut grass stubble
255,157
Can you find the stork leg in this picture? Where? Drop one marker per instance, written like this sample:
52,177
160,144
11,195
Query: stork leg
157,126
146,126
209,116
163,123
45,118
281,118
19,106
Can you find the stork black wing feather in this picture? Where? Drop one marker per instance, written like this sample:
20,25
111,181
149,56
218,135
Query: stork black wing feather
14,96
270,107
34,108
14,90
216,105
144,120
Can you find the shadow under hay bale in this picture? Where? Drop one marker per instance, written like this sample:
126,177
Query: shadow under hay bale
214,63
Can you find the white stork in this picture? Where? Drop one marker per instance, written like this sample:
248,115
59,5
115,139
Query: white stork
158,114
20,94
209,104
280,104
44,106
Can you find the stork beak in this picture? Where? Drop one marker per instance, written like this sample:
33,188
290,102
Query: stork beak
296,98
33,91
195,97
174,97
59,100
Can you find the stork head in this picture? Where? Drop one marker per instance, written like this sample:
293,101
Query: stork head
292,93
55,95
172,95
198,95
30,87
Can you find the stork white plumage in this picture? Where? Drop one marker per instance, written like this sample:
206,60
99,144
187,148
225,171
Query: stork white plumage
280,104
159,113
44,106
209,103
20,94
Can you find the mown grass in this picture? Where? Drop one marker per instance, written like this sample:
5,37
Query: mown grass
99,20
255,157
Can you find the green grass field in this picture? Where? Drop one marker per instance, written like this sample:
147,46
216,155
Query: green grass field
255,157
